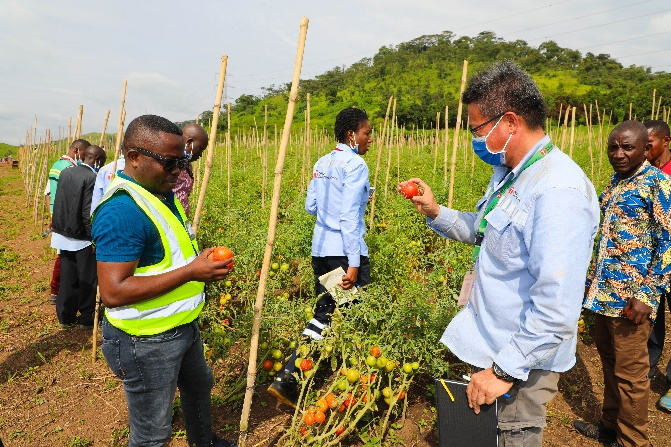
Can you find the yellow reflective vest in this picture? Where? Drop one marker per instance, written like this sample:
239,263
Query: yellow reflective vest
179,306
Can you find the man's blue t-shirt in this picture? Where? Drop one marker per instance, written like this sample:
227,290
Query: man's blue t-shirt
122,232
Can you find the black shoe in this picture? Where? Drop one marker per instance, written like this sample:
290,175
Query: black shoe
218,442
596,431
285,389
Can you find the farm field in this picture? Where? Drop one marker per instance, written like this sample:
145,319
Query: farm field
51,394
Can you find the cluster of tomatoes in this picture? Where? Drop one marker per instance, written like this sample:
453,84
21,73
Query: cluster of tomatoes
354,391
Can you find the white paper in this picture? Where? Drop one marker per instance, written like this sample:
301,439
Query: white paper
330,281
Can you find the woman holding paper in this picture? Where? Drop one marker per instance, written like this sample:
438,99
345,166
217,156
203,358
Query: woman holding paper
337,195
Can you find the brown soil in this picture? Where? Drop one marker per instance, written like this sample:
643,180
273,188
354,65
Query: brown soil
52,394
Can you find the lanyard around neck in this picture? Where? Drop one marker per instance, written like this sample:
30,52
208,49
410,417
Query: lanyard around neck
480,234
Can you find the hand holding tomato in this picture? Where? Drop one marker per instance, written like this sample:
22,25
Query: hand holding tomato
222,253
204,269
408,190
425,203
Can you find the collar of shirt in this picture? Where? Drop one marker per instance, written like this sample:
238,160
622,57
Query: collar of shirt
342,147
65,157
641,170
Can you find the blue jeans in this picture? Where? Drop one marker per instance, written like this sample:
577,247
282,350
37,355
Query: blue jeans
151,368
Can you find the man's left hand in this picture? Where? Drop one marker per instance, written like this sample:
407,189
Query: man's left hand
636,311
484,388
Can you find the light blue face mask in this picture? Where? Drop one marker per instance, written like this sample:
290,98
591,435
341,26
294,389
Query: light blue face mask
481,150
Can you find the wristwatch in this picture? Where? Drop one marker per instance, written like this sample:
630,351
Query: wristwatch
501,374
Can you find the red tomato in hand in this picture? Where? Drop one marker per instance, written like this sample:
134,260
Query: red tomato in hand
409,190
222,253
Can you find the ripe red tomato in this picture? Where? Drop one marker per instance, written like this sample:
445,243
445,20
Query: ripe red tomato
306,364
340,431
222,253
304,430
375,350
309,417
331,400
267,365
409,190
320,417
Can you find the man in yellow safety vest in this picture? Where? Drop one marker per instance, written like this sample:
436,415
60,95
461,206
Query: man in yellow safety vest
151,278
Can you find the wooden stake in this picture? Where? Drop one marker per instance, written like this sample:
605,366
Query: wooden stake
455,140
388,147
102,134
78,130
659,103
447,139
630,107
436,143
570,151
564,127
117,150
228,153
210,144
270,241
264,161
377,166
652,114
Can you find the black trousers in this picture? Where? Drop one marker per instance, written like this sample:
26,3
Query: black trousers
77,293
320,265
656,340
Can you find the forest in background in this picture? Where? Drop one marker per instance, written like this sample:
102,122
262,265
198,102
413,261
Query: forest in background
424,76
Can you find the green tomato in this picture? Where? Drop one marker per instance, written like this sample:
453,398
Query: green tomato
386,392
277,354
275,266
342,384
228,283
284,267
389,367
308,314
387,400
304,350
264,345
381,362
271,273
292,345
371,361
415,366
328,349
407,368
297,362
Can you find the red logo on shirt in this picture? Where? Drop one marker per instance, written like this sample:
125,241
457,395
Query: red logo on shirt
316,174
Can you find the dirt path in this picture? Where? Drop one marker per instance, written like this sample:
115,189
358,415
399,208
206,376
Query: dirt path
51,394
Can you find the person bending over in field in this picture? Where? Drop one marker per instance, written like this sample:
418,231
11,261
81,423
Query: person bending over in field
532,234
338,194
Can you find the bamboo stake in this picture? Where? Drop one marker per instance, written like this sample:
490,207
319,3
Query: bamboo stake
659,103
588,122
436,143
78,132
652,114
630,108
570,151
264,161
228,154
122,119
388,147
69,131
447,139
102,134
377,166
210,144
450,194
279,168
564,128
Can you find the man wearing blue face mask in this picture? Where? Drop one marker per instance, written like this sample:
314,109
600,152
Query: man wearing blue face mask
532,234
71,225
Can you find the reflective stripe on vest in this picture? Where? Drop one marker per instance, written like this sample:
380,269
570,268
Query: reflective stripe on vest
179,306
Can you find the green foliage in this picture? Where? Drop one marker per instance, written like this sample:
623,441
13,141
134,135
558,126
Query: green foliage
424,76
8,149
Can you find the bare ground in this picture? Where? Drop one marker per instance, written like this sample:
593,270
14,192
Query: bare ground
53,394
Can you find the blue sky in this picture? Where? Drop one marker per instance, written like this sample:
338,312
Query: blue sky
57,55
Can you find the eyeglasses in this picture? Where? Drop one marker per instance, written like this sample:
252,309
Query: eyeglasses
480,126
169,164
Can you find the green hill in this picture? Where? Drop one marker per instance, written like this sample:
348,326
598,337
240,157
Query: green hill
424,76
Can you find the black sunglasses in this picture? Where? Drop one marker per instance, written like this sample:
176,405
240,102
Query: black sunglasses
480,126
169,164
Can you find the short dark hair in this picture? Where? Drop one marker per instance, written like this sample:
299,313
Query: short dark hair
505,87
147,127
636,127
348,119
658,127
82,143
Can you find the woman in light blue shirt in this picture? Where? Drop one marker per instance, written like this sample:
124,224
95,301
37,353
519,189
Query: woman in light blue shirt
338,194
